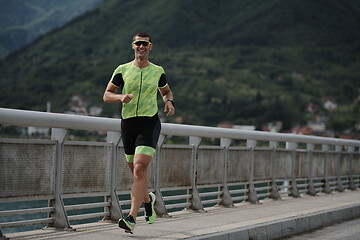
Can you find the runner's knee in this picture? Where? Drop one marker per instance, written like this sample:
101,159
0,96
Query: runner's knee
139,170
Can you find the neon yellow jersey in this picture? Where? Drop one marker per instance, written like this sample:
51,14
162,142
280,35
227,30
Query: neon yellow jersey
143,84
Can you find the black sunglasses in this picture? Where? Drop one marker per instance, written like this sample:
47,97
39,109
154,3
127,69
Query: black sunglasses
144,43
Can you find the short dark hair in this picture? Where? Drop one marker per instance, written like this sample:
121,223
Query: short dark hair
142,34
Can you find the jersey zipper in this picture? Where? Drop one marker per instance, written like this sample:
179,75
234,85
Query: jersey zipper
137,106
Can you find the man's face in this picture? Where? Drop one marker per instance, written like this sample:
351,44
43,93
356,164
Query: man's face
141,46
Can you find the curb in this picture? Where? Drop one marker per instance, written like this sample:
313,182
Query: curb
288,226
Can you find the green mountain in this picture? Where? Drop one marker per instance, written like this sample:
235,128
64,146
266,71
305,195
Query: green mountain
22,21
248,62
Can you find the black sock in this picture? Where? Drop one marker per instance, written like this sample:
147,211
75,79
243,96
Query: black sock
148,208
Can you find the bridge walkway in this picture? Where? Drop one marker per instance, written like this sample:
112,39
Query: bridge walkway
267,220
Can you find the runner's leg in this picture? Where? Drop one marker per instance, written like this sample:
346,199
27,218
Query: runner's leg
131,166
139,190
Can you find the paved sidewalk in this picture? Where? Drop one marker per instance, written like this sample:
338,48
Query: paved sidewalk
349,230
267,220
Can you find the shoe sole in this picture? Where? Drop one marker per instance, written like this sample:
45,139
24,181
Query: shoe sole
123,225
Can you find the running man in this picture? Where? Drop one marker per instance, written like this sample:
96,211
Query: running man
140,125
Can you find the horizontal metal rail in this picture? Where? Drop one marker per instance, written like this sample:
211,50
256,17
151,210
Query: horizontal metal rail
177,197
87,206
125,202
263,195
304,185
240,198
58,120
178,205
262,189
210,194
27,222
26,211
239,191
88,216
211,201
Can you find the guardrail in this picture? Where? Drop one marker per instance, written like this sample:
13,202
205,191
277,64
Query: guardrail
68,177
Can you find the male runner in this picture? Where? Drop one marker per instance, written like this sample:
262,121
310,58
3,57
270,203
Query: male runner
140,126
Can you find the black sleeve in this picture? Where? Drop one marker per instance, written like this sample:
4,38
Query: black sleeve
162,81
118,80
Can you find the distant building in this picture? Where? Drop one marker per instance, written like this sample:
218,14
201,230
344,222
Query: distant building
95,111
317,126
329,103
38,131
80,105
244,127
228,124
313,108
357,125
225,124
303,130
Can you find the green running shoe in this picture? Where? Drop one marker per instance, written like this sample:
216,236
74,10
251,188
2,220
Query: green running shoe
128,224
150,214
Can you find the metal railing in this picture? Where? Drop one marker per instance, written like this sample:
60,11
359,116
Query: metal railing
70,177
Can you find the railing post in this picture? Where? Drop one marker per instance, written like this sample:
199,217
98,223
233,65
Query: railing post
251,144
60,216
339,185
226,197
160,208
274,188
2,237
327,188
115,208
309,153
352,184
294,189
357,160
196,203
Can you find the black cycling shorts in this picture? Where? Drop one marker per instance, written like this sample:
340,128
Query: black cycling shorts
140,135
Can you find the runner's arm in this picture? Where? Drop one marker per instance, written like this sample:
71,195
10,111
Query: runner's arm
168,98
110,95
